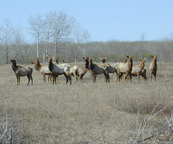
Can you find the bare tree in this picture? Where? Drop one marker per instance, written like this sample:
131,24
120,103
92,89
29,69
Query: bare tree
36,29
48,31
18,40
82,37
5,36
86,38
142,48
62,27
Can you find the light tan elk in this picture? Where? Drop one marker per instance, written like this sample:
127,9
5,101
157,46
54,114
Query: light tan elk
97,69
22,71
73,70
125,68
138,70
59,69
153,67
81,71
43,69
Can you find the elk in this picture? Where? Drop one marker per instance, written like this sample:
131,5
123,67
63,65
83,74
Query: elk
153,67
43,69
96,69
56,60
22,71
125,68
59,69
143,73
137,70
112,68
81,72
73,70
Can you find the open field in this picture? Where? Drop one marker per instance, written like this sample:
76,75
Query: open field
115,112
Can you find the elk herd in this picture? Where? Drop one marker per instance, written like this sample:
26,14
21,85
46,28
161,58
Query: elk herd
53,69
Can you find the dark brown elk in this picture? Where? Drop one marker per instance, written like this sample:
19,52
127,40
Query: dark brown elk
153,67
97,69
43,69
138,70
59,69
21,71
125,68
56,60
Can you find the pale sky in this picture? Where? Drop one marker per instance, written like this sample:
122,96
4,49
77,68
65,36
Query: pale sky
122,20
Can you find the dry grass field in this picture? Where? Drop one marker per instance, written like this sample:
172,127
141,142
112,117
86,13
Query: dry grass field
115,112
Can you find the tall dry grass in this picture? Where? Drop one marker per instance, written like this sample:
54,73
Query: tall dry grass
116,112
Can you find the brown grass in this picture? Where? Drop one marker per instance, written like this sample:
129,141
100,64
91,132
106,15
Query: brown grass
85,112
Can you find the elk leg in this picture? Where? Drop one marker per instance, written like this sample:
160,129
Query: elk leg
66,77
54,80
130,77
138,76
69,77
31,78
28,79
81,77
154,76
151,76
125,76
94,78
18,80
44,78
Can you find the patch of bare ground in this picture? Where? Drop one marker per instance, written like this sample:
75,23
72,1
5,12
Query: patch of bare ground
115,112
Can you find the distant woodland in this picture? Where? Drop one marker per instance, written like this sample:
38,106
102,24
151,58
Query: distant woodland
59,35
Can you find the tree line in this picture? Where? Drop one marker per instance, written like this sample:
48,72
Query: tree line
58,34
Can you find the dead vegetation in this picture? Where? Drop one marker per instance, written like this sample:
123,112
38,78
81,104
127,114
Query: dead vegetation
137,112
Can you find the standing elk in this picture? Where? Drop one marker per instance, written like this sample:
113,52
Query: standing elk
138,70
59,69
81,72
22,71
153,67
73,70
112,68
43,69
96,69
125,68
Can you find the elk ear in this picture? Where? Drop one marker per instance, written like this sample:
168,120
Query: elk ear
127,56
152,56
